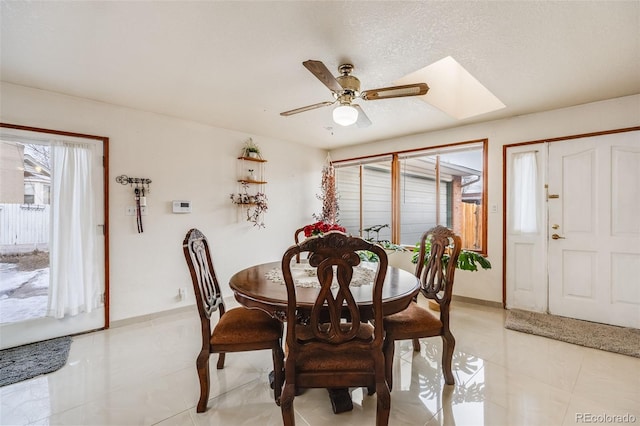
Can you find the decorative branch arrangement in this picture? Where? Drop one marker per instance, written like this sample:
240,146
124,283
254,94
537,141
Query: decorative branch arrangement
329,197
255,204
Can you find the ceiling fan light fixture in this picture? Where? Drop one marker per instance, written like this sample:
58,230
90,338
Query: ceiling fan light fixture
345,115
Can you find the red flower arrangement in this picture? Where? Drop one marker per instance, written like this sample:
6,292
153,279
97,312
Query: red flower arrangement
320,228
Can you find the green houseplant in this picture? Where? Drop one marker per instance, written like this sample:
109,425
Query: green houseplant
467,260
251,149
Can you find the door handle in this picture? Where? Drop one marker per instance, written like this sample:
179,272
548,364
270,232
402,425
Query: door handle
557,237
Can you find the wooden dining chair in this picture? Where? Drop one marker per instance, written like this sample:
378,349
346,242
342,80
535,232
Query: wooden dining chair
436,283
237,330
296,238
324,349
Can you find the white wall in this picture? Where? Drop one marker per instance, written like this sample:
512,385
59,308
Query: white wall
595,117
186,161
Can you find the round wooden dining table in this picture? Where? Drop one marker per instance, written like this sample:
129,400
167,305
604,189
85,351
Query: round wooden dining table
253,288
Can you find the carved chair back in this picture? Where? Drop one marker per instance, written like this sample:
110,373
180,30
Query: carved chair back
203,276
436,274
335,255
296,238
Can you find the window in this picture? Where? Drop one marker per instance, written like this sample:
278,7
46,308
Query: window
46,195
29,193
396,197
365,198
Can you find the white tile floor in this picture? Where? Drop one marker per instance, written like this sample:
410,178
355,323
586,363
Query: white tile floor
144,374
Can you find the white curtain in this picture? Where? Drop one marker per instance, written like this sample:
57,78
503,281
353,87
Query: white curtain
524,193
74,279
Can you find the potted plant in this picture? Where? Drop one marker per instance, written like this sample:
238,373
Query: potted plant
467,260
251,149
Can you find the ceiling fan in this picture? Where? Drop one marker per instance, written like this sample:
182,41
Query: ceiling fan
345,88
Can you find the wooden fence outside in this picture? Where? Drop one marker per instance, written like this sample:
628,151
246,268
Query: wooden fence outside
471,230
24,228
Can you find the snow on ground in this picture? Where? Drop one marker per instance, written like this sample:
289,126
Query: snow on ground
23,294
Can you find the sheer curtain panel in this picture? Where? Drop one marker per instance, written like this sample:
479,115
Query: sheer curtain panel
524,196
74,278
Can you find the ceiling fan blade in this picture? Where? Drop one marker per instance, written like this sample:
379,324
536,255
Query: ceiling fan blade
323,74
363,120
306,108
416,89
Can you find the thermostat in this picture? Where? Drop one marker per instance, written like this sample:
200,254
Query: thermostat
181,206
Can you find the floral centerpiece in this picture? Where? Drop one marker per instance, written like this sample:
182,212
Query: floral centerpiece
321,227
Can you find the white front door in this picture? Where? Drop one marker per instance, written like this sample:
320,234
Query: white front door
594,228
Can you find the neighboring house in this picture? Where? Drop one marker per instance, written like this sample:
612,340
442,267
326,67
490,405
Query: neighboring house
37,176
25,174
25,195
11,172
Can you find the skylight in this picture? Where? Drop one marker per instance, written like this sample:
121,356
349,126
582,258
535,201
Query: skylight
453,90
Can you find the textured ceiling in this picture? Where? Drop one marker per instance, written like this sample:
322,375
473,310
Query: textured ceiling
237,65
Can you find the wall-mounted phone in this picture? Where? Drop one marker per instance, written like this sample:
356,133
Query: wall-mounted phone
181,206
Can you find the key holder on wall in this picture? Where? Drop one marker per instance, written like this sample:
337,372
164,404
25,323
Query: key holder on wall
139,194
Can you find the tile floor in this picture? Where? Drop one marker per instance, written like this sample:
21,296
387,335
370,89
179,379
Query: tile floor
144,374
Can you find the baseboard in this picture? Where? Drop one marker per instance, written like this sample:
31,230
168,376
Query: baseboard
230,302
155,315
477,301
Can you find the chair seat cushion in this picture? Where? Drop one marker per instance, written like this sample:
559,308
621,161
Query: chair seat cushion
312,359
413,322
241,325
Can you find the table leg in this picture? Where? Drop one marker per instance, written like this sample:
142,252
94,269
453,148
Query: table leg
340,400
272,379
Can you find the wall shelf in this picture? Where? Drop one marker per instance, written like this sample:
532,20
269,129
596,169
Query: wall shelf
252,182
257,160
250,196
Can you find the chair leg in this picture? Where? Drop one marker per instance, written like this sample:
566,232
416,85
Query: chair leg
383,408
278,372
388,349
448,344
220,364
286,404
202,365
416,345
